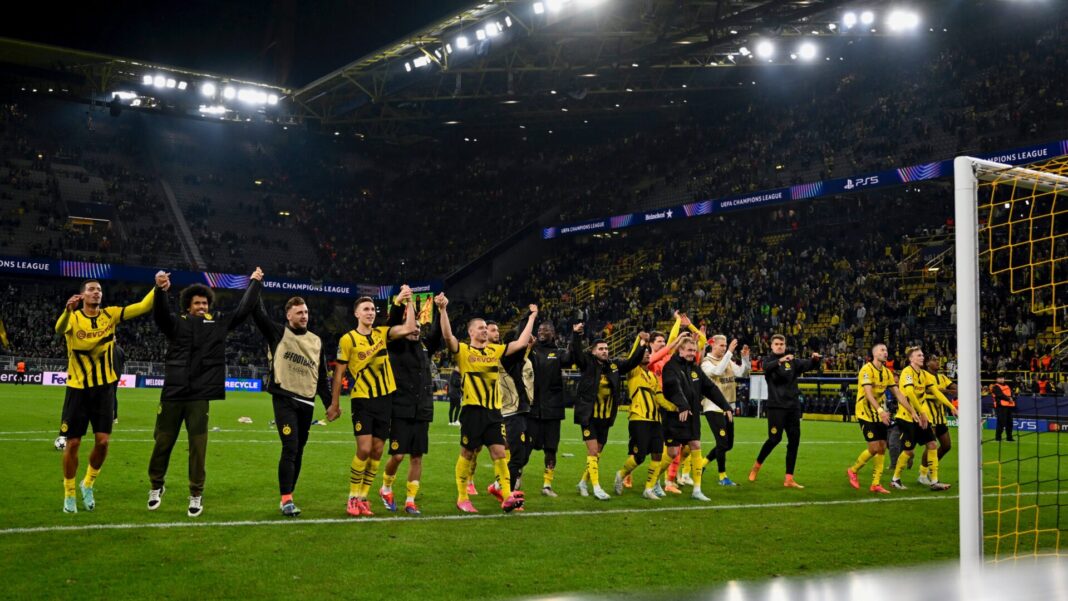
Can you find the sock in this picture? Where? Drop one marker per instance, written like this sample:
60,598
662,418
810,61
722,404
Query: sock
789,477
924,470
369,477
504,477
471,470
413,489
586,472
90,476
877,465
932,464
902,460
387,481
463,473
547,477
69,487
593,470
685,464
862,460
654,475
696,474
629,466
356,473
723,475
665,463
287,499
673,468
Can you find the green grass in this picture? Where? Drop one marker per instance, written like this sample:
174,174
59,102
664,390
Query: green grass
750,533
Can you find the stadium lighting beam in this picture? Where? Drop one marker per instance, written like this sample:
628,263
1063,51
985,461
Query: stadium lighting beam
765,49
902,20
849,20
272,99
807,51
867,17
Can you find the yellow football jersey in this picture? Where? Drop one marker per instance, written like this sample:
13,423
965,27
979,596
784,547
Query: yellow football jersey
479,370
879,378
91,342
368,362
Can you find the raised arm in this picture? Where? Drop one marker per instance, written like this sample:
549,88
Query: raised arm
521,343
451,342
271,331
139,308
578,353
161,312
63,323
248,301
434,338
410,325
637,352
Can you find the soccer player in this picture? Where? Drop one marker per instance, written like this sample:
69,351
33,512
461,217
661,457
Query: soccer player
547,406
781,371
914,419
413,405
298,372
362,352
873,380
516,389
938,413
481,423
195,374
720,368
646,431
685,386
682,463
596,403
89,334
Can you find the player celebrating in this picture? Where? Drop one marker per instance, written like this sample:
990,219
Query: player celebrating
914,419
646,431
89,334
363,353
873,380
938,414
719,367
481,423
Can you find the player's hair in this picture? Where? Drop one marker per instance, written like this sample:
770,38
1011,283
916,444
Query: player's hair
490,322
654,335
877,345
362,300
471,322
719,338
186,297
294,302
599,341
688,342
778,337
912,349
87,282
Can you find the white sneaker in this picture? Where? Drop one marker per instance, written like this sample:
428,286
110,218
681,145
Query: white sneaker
196,507
583,489
924,480
685,480
547,491
618,486
155,497
650,494
698,495
600,494
895,483
659,491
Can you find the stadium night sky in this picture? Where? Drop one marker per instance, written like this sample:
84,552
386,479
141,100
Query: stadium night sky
289,42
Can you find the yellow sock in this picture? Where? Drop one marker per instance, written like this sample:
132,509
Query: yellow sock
695,474
413,489
629,466
723,475
463,472
69,487
654,475
685,464
547,477
504,478
369,477
877,465
702,461
471,470
387,481
865,455
902,460
586,473
593,470
924,470
356,473
90,476
932,464
665,462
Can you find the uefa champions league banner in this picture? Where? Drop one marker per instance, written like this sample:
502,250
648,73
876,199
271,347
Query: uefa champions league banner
228,281
844,185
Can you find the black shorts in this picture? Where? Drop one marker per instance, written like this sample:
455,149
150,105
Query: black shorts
646,438
912,435
873,431
515,429
941,430
597,430
480,427
678,433
84,406
544,434
371,417
409,437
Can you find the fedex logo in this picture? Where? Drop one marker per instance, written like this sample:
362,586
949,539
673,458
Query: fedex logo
55,378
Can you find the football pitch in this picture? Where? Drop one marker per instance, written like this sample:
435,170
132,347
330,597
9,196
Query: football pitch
241,547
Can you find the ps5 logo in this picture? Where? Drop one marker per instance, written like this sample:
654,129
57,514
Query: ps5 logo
861,182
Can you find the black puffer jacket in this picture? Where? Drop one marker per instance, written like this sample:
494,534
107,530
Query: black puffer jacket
412,371
196,348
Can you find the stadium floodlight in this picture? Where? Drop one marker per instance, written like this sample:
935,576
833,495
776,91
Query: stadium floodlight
765,49
146,80
508,21
867,17
408,67
461,42
539,8
493,29
480,34
171,83
744,51
182,85
123,95
212,110
208,89
420,61
807,51
272,99
229,93
554,5
159,81
849,20
448,48
832,26
902,20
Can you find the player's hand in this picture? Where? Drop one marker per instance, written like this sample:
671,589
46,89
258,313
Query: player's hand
162,278
954,412
815,356
72,302
733,345
577,328
533,309
684,415
704,330
685,321
441,300
787,358
745,350
333,412
730,415
884,416
644,337
405,294
257,275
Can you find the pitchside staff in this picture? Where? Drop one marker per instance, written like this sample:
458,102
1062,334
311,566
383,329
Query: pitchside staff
547,406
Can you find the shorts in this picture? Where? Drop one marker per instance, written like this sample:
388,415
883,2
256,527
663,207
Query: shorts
515,429
597,430
874,431
371,417
481,427
84,406
409,437
913,436
544,434
678,433
646,438
941,430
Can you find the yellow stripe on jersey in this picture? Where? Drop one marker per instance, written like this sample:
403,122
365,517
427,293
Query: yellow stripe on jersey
602,409
914,385
368,362
91,342
646,398
937,402
879,379
479,371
